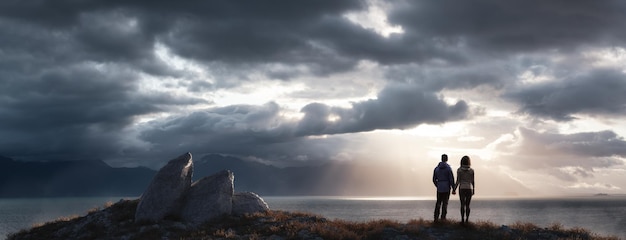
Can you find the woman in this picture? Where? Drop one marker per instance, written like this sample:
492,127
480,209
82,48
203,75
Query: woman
466,185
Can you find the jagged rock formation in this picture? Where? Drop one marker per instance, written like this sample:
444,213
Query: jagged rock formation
247,202
164,195
171,194
209,197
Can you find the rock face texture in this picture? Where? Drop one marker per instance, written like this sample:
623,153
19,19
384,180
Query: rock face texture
248,202
171,193
165,193
209,197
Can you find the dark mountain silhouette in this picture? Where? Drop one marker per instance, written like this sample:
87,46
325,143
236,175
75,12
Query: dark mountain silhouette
327,179
70,179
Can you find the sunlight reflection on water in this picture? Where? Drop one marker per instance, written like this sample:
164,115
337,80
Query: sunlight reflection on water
386,198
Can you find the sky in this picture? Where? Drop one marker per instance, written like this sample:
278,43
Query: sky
533,91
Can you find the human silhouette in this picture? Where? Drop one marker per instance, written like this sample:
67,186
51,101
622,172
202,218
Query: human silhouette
443,178
465,183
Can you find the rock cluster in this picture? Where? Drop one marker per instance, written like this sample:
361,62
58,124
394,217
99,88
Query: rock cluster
171,194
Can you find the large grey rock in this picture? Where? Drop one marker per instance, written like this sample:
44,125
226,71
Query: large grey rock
209,198
165,193
248,202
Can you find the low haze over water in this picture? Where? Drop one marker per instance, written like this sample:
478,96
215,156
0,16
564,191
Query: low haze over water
604,215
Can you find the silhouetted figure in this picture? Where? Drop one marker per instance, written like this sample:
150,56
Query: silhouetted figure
466,185
443,178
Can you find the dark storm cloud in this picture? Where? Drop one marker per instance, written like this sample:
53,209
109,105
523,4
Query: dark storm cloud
599,92
113,35
226,128
326,43
519,25
398,106
77,110
314,33
581,152
235,32
256,131
105,37
224,31
435,78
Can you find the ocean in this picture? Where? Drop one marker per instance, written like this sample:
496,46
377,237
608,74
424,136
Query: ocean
604,215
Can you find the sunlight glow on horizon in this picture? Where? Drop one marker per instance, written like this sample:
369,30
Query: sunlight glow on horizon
452,129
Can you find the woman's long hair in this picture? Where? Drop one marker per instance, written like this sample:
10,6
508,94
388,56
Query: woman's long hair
465,160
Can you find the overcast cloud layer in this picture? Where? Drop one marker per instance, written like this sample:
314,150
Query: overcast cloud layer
540,85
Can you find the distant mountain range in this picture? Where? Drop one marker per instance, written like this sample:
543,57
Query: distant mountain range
96,178
330,179
70,179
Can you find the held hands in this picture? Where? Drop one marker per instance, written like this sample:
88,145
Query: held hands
454,191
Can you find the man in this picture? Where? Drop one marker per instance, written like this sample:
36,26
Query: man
443,178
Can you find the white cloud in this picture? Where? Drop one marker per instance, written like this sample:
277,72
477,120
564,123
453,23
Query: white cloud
375,18
607,57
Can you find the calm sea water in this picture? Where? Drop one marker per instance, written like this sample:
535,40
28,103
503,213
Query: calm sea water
603,214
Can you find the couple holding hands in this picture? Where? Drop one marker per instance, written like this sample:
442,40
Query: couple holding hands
443,178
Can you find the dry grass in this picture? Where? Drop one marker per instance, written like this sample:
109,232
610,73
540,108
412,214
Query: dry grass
300,225
108,204
58,220
524,226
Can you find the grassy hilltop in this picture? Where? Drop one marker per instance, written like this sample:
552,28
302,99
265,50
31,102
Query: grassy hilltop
116,221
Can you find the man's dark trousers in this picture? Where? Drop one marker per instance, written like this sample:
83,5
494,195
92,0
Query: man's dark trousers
442,202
